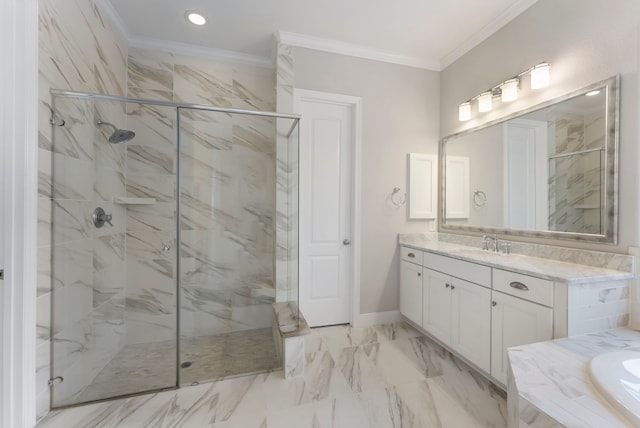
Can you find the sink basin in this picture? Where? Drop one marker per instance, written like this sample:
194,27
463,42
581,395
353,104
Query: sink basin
617,377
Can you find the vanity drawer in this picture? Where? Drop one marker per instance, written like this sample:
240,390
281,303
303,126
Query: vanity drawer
468,271
524,286
411,255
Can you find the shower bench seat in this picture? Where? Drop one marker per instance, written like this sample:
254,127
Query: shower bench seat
288,335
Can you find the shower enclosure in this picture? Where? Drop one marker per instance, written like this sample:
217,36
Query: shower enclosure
174,230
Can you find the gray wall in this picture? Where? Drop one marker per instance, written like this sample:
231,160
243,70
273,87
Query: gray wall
400,115
585,41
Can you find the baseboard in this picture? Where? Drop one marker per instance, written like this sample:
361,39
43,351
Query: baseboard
376,318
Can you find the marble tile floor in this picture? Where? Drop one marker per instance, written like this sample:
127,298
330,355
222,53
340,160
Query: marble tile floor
377,377
151,366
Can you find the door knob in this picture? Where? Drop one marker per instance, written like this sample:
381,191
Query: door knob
346,242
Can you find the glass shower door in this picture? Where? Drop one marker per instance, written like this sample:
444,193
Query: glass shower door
110,199
227,235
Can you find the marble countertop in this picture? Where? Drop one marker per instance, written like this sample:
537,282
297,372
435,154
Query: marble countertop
554,270
552,377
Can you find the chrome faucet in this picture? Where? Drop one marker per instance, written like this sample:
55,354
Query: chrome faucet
493,239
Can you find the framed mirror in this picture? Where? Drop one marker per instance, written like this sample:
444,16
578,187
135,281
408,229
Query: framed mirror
549,171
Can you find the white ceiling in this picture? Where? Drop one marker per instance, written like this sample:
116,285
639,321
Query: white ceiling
426,33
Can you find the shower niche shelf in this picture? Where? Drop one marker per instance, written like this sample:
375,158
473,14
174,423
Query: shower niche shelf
122,200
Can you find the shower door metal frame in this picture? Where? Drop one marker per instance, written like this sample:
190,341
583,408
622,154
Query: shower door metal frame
117,98
178,107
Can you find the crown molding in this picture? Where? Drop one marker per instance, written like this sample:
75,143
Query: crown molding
200,51
334,46
485,32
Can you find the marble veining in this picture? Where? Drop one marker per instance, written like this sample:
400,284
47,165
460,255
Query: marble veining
620,262
575,180
570,273
322,397
551,383
286,180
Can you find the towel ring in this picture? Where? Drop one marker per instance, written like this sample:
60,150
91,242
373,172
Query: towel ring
393,196
479,198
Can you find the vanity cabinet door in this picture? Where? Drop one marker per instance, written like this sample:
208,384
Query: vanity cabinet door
515,322
471,322
411,291
436,312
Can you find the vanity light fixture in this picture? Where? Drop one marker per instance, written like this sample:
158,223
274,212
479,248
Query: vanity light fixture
540,75
464,111
195,18
507,90
485,102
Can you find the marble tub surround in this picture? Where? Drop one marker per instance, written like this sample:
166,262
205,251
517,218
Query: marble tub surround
401,394
553,268
550,385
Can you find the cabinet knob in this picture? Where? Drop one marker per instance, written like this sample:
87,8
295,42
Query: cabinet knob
453,287
493,303
411,255
447,285
419,274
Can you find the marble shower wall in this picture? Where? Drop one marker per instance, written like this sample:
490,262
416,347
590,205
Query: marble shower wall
575,181
287,182
228,200
79,267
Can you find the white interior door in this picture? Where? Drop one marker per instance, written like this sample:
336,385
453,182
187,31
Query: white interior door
326,194
525,174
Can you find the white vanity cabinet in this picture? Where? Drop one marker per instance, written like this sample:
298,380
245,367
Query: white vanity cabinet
448,304
522,313
475,310
411,284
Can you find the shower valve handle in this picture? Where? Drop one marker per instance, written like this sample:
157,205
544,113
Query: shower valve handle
100,217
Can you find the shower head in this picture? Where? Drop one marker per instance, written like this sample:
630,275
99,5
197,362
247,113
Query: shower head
118,135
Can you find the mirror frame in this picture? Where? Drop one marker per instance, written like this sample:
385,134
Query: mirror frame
610,229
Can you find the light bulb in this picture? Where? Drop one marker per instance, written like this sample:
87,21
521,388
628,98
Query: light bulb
195,18
540,75
509,90
485,102
464,111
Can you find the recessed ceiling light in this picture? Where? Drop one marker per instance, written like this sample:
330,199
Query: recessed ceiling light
592,93
195,18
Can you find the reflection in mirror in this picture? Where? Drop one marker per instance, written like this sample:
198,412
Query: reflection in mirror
548,171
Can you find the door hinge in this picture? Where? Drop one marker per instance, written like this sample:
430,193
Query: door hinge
1,273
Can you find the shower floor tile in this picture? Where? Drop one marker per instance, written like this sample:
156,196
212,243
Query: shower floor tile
231,354
151,366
